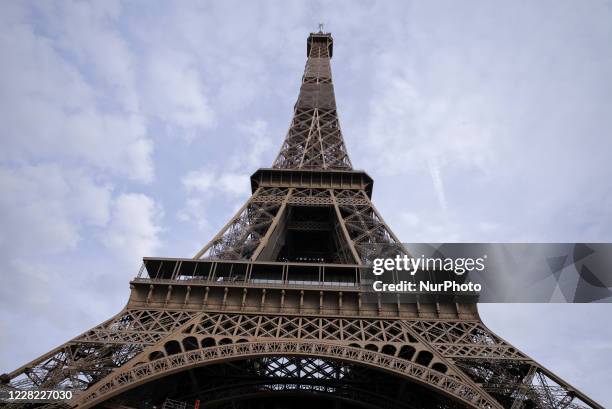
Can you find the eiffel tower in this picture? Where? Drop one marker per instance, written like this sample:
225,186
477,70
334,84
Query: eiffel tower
270,313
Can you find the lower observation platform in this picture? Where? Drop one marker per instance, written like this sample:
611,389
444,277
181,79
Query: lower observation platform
317,289
239,272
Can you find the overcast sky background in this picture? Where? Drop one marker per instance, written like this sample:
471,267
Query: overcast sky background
130,129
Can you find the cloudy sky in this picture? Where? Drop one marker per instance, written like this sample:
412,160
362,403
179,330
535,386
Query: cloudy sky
130,129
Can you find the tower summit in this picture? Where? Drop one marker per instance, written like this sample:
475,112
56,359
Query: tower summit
271,313
314,140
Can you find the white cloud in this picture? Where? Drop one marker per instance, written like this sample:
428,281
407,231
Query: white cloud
410,127
198,180
210,181
432,227
174,91
44,208
91,36
206,188
134,228
50,108
436,177
259,145
234,184
509,129
230,183
195,211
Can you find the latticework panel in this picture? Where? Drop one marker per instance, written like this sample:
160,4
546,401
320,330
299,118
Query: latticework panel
311,197
143,327
359,331
451,338
456,339
314,140
507,374
239,239
520,384
75,366
270,195
89,357
364,225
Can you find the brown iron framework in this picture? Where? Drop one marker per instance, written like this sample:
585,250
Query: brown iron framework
272,307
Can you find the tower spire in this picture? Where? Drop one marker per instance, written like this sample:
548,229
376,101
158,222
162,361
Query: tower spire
314,139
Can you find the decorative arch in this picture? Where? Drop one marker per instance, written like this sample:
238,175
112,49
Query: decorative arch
450,386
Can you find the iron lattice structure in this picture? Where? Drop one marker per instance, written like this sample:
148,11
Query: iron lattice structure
271,308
